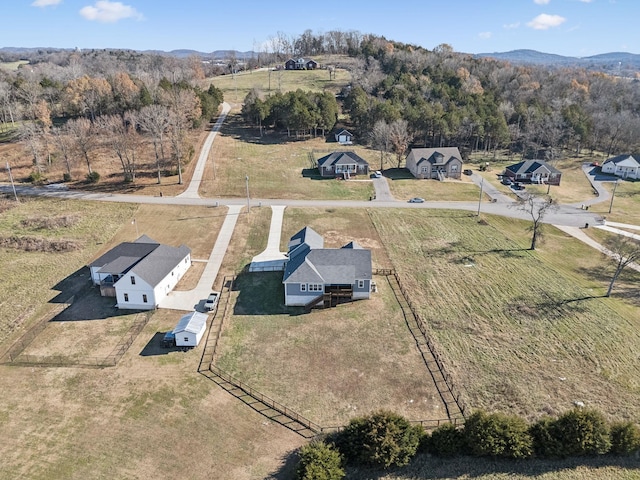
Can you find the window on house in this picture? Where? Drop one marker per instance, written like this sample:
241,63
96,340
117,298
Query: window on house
126,297
315,287
144,298
454,168
424,169
133,280
186,339
303,287
360,283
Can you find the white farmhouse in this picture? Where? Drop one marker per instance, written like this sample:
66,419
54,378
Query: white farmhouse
623,166
141,273
190,329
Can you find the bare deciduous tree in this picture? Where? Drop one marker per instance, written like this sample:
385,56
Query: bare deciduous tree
380,137
625,251
122,137
537,207
83,136
400,138
154,119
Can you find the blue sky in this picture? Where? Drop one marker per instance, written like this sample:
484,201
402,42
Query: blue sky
566,27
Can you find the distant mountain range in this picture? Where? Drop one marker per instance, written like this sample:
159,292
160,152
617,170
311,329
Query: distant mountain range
619,62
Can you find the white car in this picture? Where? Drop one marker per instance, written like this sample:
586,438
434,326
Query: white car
377,174
212,301
416,200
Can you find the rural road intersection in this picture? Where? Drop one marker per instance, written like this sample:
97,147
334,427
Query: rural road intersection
568,218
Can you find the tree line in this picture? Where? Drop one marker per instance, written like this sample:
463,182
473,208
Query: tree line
65,112
385,439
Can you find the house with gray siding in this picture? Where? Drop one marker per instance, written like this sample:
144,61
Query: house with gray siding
141,273
533,171
436,163
343,165
314,274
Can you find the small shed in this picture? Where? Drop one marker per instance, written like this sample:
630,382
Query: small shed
190,329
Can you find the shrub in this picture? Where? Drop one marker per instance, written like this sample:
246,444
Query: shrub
66,177
446,441
37,178
93,177
625,438
546,441
381,439
319,461
582,431
497,435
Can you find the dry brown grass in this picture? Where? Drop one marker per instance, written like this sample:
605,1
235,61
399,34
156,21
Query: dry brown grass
522,332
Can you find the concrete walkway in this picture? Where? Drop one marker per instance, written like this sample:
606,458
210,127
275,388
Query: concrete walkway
196,179
271,259
615,227
193,299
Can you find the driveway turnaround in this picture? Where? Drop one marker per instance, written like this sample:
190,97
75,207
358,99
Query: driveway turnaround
193,299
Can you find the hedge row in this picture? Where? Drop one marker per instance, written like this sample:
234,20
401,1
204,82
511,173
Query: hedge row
385,439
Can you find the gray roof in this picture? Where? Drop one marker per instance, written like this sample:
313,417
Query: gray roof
159,263
142,247
622,158
192,322
352,244
335,266
436,156
307,236
341,158
531,166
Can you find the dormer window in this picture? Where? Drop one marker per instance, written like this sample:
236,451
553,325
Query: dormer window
133,280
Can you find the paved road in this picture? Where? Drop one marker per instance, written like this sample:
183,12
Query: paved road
196,179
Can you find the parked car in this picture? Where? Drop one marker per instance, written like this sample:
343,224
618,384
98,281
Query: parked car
212,301
517,186
467,172
169,339
506,181
416,200
377,174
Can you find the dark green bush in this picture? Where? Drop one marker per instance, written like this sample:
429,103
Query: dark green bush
625,438
93,177
546,441
381,439
581,431
497,435
66,177
446,441
319,461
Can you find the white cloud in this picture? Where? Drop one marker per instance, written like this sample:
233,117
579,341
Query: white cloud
511,26
545,21
45,3
485,35
108,12
542,2
585,1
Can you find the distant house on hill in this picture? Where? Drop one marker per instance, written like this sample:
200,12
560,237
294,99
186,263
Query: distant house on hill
436,163
300,64
533,171
623,166
140,273
342,164
314,274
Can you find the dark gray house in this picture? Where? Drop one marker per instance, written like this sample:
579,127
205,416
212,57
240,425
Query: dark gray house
533,171
342,164
314,274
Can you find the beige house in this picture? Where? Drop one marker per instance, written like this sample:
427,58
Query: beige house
437,163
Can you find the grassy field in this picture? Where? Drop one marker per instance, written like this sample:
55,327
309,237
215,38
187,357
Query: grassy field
277,167
404,186
523,332
236,87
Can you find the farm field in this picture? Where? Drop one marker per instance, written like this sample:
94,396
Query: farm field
523,332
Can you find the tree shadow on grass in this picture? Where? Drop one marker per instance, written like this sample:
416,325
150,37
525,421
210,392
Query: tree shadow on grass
427,467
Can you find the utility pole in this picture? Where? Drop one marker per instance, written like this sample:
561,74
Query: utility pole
248,199
480,198
615,185
11,179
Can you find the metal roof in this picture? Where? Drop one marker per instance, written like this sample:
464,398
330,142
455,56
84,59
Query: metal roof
193,322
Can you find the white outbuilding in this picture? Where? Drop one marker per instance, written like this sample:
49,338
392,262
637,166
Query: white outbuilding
190,329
